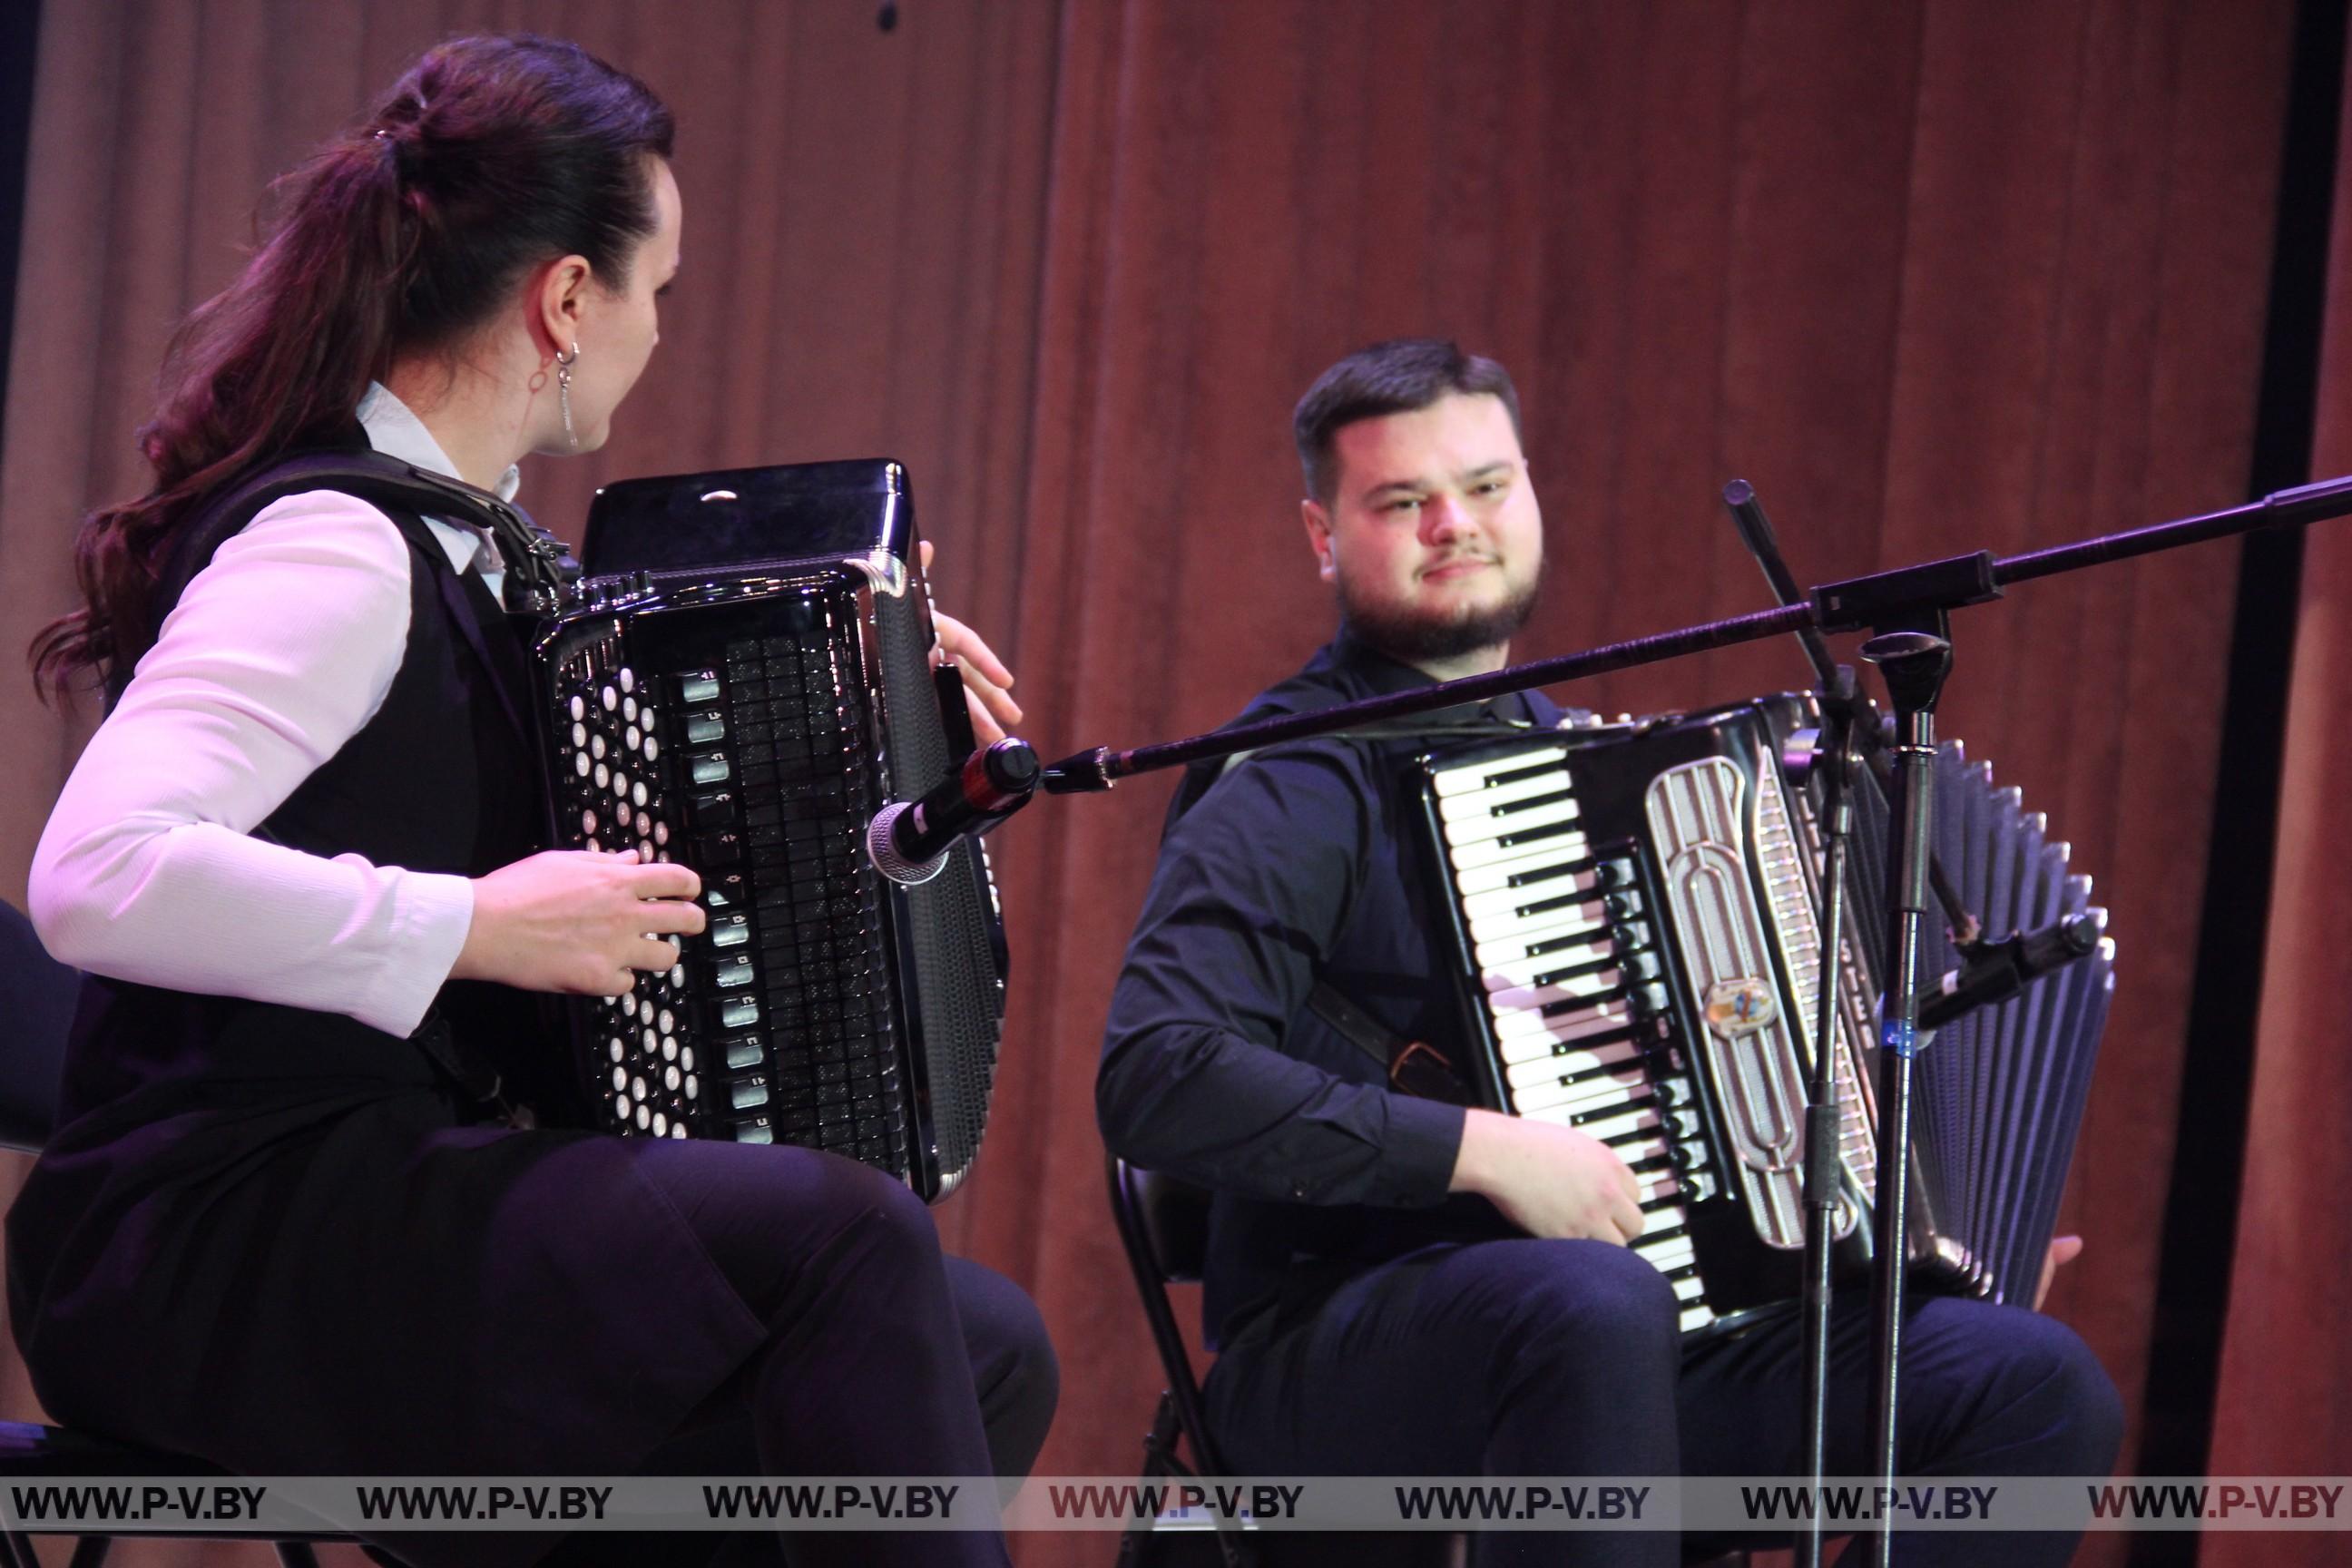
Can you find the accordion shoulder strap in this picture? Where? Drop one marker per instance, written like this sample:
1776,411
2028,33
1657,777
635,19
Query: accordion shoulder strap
541,571
1413,1067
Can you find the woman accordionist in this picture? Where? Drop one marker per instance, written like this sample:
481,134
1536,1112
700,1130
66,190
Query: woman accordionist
271,1230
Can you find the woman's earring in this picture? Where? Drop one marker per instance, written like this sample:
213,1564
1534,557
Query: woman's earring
563,363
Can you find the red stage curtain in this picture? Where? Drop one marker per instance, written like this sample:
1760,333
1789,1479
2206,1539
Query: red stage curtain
2286,1400
1933,275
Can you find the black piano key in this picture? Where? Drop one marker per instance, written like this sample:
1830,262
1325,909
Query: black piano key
1529,803
1537,834
1530,771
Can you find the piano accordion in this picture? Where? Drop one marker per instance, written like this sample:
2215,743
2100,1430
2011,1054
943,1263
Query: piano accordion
743,680
1636,914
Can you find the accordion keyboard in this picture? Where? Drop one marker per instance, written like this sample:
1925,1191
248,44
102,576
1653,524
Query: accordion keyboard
1567,954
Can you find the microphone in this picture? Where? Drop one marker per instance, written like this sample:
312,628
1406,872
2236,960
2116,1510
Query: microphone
1992,971
910,839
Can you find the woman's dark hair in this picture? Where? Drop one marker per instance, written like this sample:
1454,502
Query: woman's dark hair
490,156
1401,375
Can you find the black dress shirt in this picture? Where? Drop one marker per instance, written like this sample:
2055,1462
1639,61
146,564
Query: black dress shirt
1298,865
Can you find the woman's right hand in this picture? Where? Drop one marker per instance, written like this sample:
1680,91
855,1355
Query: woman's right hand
578,922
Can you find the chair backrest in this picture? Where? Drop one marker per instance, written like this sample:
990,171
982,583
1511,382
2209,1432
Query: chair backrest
36,1007
1168,1217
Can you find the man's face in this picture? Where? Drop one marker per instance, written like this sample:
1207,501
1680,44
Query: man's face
1432,536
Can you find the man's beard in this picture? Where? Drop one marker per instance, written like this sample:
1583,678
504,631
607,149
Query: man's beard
1417,636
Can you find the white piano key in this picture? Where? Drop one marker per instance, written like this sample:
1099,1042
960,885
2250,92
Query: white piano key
1486,885
1537,1061
1557,901
1474,805
1669,1254
1567,1023
1477,833
1585,1094
1522,968
1635,1152
1472,777
1624,1126
1505,993
1502,940
1516,919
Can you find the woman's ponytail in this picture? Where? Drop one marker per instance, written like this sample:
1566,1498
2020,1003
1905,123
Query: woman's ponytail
491,155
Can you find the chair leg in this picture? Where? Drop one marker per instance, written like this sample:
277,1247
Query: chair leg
296,1554
1160,1442
1140,1545
90,1551
1136,1548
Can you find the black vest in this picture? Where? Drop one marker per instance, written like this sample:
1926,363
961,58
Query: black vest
443,779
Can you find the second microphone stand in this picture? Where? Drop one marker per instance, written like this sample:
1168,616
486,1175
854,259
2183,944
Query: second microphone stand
1913,663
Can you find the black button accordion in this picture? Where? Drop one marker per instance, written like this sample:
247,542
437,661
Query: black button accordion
1636,915
743,680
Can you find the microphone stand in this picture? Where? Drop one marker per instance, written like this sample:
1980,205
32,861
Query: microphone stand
1908,612
1824,1171
1845,721
1914,661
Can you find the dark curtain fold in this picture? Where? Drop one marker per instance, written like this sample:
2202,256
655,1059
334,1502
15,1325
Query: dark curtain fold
2284,1403
1933,275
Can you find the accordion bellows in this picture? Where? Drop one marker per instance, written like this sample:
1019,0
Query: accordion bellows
743,683
1636,910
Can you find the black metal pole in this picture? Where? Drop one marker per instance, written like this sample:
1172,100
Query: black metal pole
1824,1170
1913,663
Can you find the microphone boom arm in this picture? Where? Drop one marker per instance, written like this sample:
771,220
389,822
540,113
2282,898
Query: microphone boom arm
1882,600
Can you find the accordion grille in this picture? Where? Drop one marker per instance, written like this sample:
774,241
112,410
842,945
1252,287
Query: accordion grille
955,971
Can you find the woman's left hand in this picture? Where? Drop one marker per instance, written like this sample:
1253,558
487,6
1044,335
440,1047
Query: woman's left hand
986,677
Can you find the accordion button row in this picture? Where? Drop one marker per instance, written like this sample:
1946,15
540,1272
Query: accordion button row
745,769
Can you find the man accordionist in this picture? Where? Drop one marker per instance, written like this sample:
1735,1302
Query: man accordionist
1397,1285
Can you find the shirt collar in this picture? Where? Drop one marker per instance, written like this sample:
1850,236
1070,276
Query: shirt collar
394,430
1381,675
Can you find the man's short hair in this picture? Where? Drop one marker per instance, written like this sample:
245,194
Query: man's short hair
1398,376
